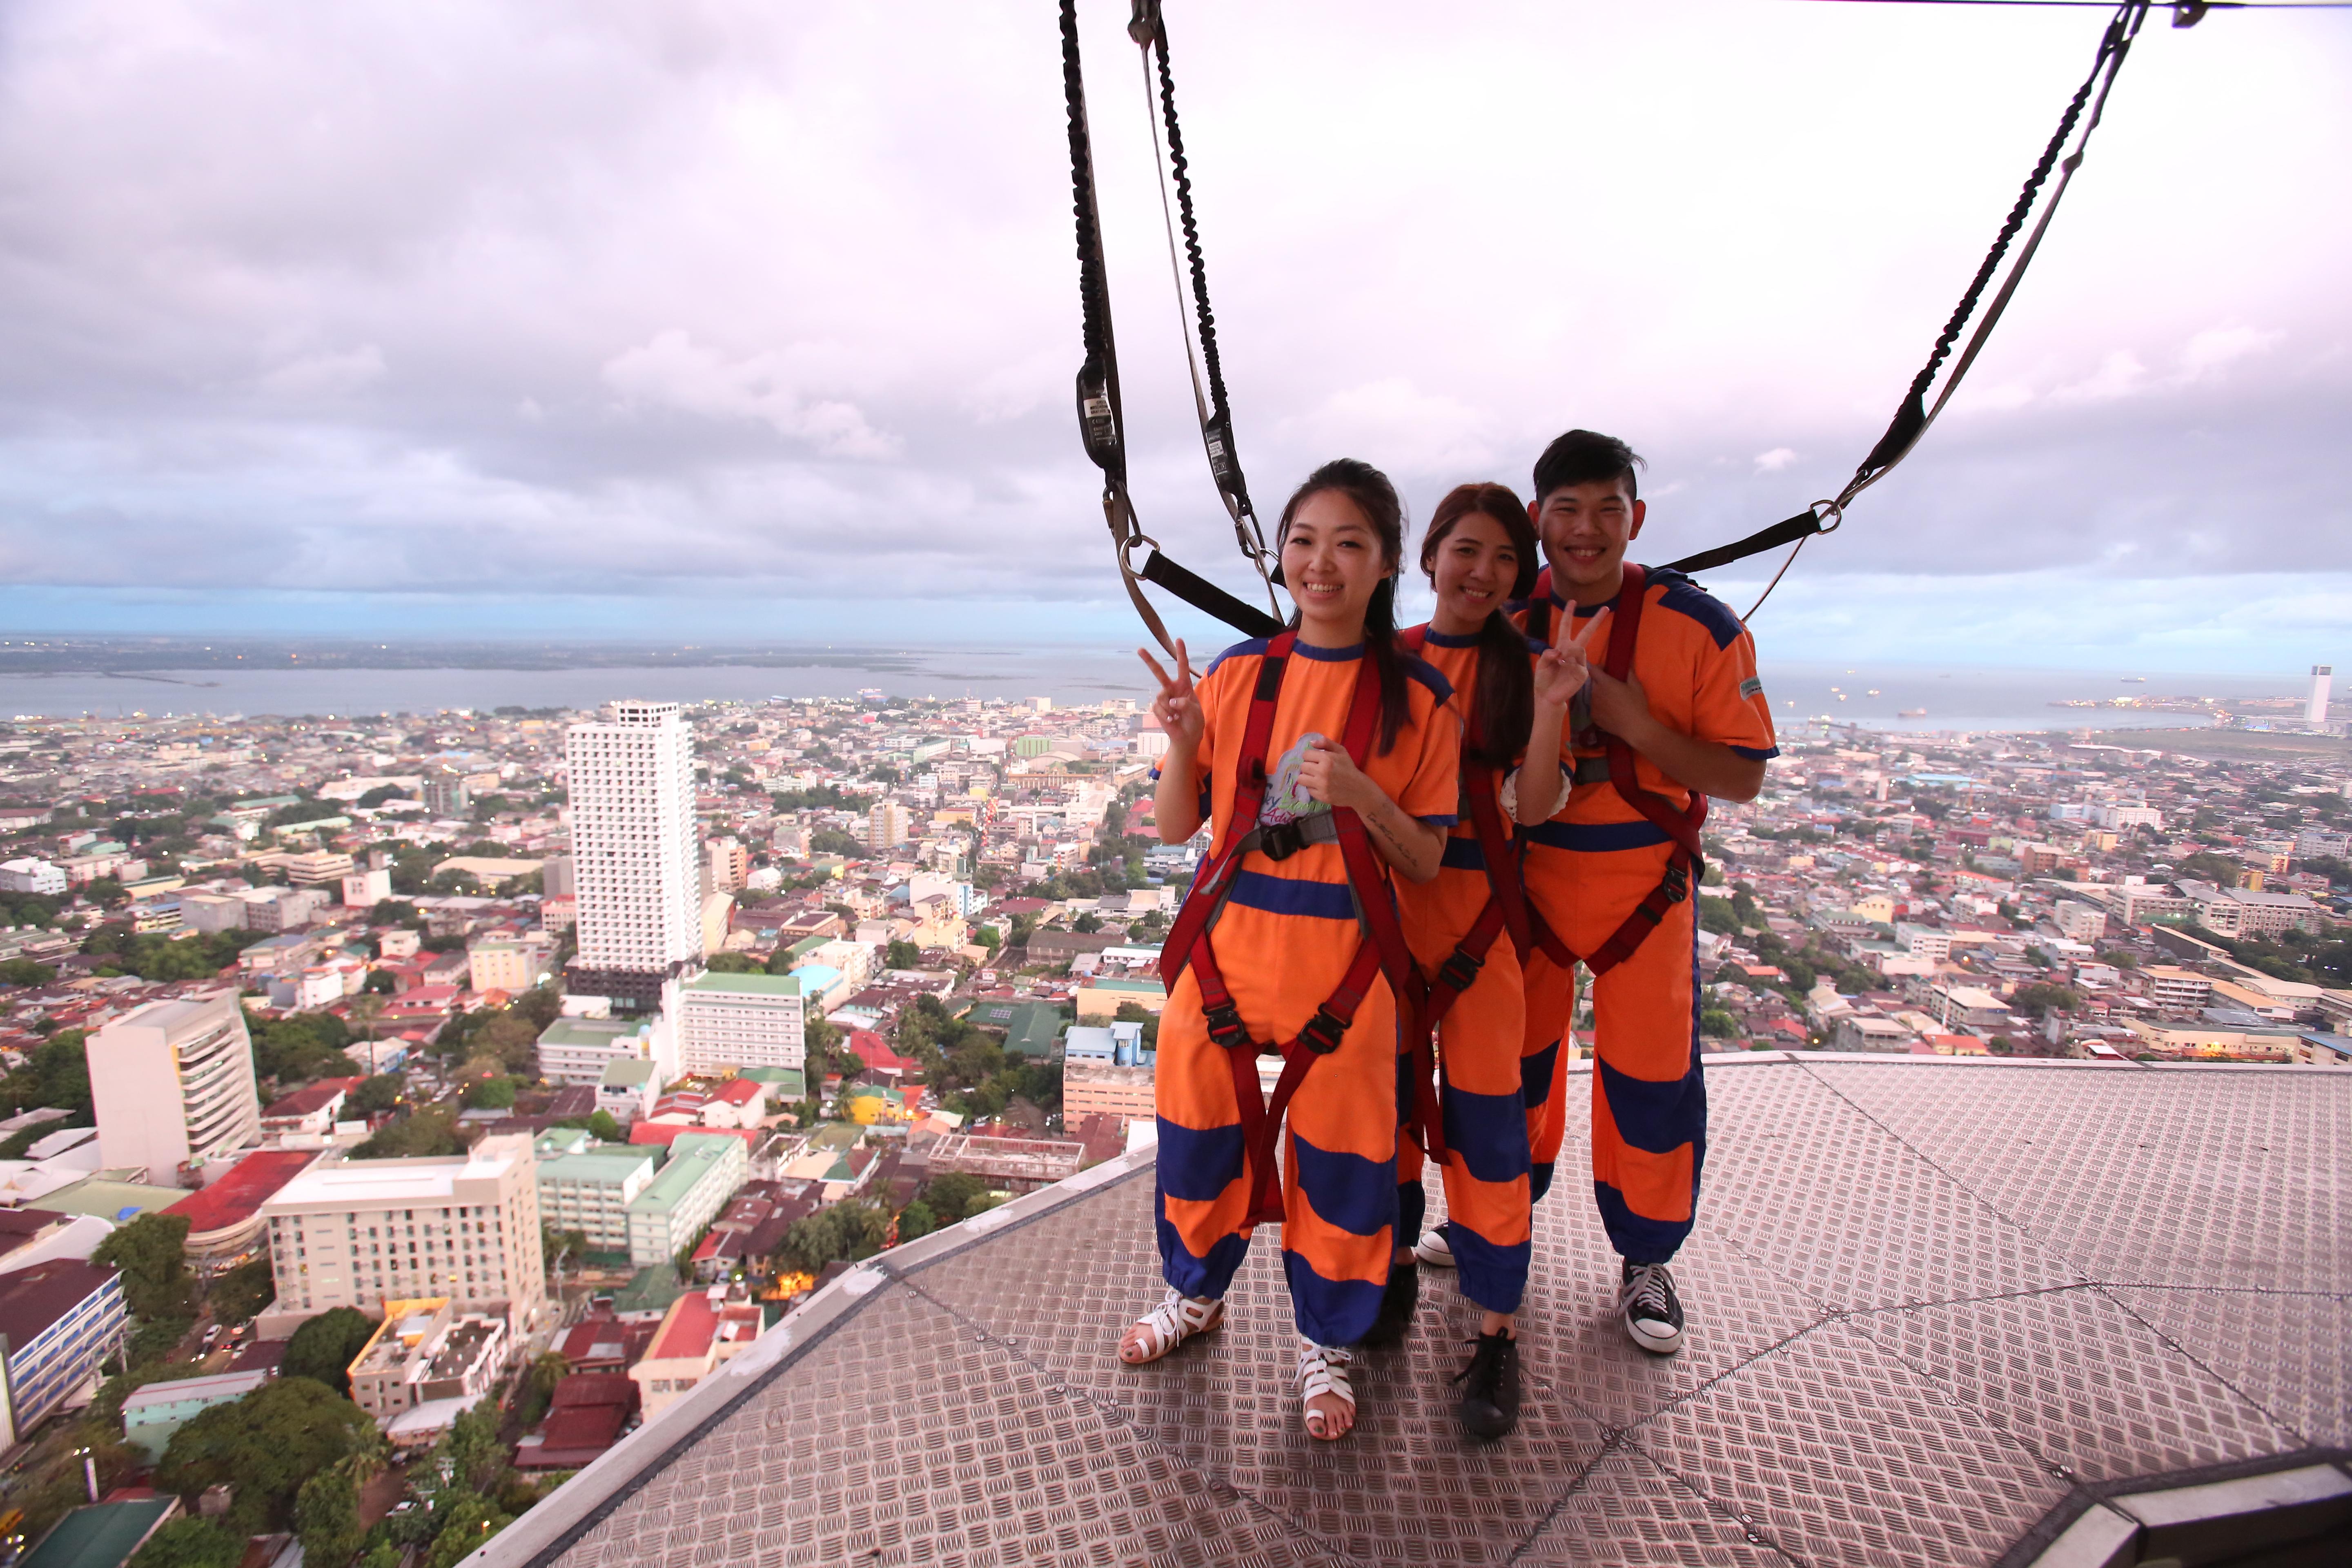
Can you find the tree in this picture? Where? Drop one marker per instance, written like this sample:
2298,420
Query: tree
151,1252
57,1076
371,1096
25,972
323,1347
2207,866
471,1521
265,1446
605,1128
327,1517
851,1230
239,1294
2042,997
902,955
1717,1024
191,1543
432,1130
952,1193
734,963
916,1220
491,1094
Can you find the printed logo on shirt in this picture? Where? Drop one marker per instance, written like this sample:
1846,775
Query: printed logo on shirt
1285,801
1751,687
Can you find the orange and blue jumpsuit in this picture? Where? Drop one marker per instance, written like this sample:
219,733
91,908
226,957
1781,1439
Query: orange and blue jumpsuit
1284,940
1478,1044
1586,869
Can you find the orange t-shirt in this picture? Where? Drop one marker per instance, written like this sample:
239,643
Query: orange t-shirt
1438,914
1288,930
1697,664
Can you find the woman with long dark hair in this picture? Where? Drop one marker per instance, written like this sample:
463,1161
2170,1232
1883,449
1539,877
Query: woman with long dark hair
1323,758
1465,927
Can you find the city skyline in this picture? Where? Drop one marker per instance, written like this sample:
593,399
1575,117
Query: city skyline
764,326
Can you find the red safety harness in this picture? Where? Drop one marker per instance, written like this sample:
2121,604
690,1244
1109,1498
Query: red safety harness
1687,865
1382,950
1505,910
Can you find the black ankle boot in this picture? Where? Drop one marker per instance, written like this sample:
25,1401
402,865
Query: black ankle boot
1489,1406
1397,1303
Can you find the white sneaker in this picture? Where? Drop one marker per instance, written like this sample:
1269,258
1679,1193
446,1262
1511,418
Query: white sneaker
1434,1250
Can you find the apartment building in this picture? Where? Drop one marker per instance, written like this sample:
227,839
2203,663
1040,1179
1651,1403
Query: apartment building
588,1187
172,1084
703,1171
741,1021
58,1321
510,963
358,1233
636,851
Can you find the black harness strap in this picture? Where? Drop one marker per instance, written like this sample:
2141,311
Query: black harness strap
1101,415
1916,414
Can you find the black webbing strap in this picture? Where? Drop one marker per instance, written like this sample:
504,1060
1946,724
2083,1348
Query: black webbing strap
1787,531
1207,597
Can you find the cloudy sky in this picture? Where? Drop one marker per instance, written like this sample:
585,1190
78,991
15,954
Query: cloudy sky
732,318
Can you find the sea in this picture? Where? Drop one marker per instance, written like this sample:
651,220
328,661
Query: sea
1893,697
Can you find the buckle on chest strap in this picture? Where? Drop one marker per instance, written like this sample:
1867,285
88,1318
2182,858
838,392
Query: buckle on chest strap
1323,1032
1281,840
1460,970
1225,1027
1676,884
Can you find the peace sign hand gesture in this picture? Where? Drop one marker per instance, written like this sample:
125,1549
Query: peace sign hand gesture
1564,671
1177,707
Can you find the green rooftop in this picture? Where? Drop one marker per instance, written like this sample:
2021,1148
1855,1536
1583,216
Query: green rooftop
1030,1027
112,1200
790,1083
747,984
691,1156
101,1535
651,1290
589,1031
627,1072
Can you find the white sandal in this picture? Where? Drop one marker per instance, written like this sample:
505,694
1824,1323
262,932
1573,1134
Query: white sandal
1173,1321
1323,1369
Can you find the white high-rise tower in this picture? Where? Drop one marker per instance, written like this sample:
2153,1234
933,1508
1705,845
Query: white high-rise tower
2314,711
636,855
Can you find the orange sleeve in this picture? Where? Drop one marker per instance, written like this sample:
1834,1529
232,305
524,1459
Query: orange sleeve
1729,707
1433,793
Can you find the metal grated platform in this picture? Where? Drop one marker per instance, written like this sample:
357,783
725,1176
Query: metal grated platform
1939,1310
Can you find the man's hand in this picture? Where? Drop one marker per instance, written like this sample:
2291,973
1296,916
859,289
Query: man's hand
1622,708
1561,672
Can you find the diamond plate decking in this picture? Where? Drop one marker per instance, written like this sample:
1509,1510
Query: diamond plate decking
1937,1310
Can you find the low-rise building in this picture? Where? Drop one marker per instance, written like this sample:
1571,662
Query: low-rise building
628,1090
225,1219
2177,990
510,963
152,1414
313,1109
1102,999
1093,1087
578,1050
2079,921
425,1352
701,1332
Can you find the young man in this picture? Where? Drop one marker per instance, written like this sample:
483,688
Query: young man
1612,863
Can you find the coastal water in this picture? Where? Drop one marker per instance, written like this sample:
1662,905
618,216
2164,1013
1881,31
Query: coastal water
1877,695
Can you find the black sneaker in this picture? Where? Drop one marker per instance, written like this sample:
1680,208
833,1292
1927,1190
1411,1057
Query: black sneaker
1653,1314
1397,1303
1489,1406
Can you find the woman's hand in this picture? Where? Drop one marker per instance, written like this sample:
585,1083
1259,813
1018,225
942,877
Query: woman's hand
1328,774
1563,671
1177,707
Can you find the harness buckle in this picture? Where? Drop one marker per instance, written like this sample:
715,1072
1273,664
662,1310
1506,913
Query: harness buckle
1225,1027
1322,1033
1676,884
1460,971
1281,840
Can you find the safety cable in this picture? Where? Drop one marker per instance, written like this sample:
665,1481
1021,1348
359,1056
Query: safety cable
1149,28
1101,416
1914,415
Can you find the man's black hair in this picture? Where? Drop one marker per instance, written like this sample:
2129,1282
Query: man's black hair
1583,457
